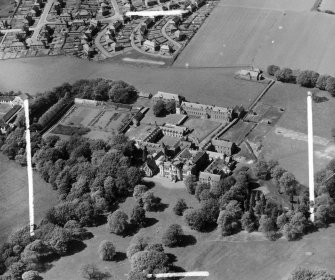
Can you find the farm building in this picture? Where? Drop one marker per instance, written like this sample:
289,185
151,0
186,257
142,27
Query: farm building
165,96
251,75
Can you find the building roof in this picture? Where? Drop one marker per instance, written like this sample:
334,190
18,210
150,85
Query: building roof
216,166
166,95
212,177
11,113
6,98
180,129
222,143
204,107
149,43
197,156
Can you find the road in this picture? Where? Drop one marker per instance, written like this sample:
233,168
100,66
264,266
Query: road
110,21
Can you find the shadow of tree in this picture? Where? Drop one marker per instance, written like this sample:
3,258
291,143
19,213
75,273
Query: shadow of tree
75,246
150,222
187,240
161,207
119,257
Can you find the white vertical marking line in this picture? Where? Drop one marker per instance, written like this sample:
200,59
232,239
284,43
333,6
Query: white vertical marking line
310,153
179,274
29,169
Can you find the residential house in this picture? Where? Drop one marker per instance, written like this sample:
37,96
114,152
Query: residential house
176,21
18,46
165,49
179,35
225,147
150,45
115,46
148,22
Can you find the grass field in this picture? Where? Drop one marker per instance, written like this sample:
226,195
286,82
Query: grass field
243,256
201,128
6,6
231,36
14,197
208,86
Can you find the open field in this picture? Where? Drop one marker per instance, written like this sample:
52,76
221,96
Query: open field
208,86
293,99
243,256
6,6
327,5
14,197
4,108
312,49
283,5
231,36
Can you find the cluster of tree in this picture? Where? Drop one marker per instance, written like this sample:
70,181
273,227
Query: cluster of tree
54,111
90,176
162,108
146,258
23,256
146,198
306,78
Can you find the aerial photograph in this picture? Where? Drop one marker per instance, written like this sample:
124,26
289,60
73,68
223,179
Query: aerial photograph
167,139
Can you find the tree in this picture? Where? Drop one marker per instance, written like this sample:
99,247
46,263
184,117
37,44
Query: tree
277,172
321,82
31,275
150,202
330,85
170,107
228,223
134,275
180,207
150,262
200,188
173,235
272,69
282,220
139,190
284,75
36,252
91,272
211,210
267,226
138,216
159,108
195,219
117,222
249,221
288,183
190,183
307,78
106,250
261,170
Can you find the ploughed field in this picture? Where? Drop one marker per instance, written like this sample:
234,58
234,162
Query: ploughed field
263,32
14,197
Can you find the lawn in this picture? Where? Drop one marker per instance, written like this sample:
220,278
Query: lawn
243,256
201,128
5,7
4,108
14,197
237,132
